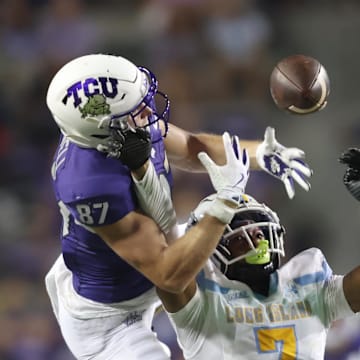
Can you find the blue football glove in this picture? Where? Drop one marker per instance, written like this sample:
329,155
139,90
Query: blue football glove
351,157
284,163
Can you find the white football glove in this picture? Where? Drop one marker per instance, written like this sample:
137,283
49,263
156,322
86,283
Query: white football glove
235,172
284,163
229,180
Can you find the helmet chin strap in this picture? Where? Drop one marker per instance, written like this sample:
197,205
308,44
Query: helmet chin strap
260,255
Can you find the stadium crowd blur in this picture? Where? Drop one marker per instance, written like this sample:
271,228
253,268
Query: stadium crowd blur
213,58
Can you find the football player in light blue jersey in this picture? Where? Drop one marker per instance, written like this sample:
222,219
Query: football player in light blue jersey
111,168
244,305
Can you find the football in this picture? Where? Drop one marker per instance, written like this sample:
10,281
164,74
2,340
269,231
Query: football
299,84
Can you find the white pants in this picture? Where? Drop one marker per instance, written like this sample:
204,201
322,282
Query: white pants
98,331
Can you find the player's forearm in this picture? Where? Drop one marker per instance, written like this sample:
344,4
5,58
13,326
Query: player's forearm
173,302
213,146
183,260
351,286
154,197
138,240
183,148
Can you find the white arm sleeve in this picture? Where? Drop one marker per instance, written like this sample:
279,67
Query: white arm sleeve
190,324
334,299
154,197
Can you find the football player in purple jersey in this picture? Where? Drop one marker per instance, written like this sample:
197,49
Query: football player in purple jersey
112,181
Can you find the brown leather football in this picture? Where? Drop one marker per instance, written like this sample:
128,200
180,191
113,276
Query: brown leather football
299,84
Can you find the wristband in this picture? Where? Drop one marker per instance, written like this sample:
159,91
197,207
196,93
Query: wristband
221,211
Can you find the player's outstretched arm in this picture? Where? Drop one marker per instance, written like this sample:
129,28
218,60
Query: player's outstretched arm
183,147
230,180
139,241
286,164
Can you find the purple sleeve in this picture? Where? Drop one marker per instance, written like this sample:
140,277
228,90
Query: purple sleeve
97,190
102,200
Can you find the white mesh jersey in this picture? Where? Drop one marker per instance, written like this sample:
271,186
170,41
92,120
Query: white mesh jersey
226,320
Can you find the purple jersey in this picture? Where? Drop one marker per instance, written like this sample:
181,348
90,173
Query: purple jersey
93,190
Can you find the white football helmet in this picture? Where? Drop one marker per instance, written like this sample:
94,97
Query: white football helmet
250,219
94,93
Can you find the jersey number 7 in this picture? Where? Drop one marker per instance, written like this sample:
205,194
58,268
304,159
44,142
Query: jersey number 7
280,340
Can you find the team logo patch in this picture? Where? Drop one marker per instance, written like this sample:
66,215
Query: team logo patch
96,105
94,91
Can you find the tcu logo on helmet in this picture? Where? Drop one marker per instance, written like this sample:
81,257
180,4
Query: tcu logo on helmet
90,88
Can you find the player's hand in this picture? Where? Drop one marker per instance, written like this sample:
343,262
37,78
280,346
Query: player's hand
229,180
286,164
136,149
131,146
235,173
351,158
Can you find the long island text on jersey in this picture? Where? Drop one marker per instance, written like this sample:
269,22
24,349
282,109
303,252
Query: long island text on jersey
227,320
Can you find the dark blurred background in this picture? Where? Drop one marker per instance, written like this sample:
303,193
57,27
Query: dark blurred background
213,58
